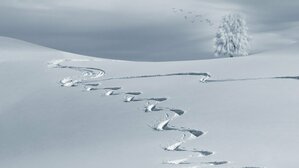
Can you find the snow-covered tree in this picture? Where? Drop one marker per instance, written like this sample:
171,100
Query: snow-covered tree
232,38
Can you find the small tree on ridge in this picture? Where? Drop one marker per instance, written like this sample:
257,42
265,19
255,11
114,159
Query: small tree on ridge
232,38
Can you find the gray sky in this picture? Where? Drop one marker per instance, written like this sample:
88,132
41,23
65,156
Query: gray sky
136,29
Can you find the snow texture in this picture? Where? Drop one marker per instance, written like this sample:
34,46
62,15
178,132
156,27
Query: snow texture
86,112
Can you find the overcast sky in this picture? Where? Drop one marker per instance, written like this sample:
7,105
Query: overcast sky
136,29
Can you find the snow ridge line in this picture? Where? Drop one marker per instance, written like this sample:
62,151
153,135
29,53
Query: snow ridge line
89,83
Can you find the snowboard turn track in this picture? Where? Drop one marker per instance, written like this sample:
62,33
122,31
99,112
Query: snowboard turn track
91,78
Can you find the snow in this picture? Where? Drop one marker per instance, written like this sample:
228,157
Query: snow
245,113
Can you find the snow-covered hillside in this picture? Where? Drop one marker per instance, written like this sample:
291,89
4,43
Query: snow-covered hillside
63,110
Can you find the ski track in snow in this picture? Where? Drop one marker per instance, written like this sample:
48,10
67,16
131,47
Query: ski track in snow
90,81
252,79
160,75
178,161
215,163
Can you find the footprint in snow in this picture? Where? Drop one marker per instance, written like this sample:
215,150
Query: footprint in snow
194,133
145,99
158,99
177,111
111,93
112,88
202,153
151,107
178,161
68,82
163,125
133,93
176,146
91,88
130,96
215,163
92,84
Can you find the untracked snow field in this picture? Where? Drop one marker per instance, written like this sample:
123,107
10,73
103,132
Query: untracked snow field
64,110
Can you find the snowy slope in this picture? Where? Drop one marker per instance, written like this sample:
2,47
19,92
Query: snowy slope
88,112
